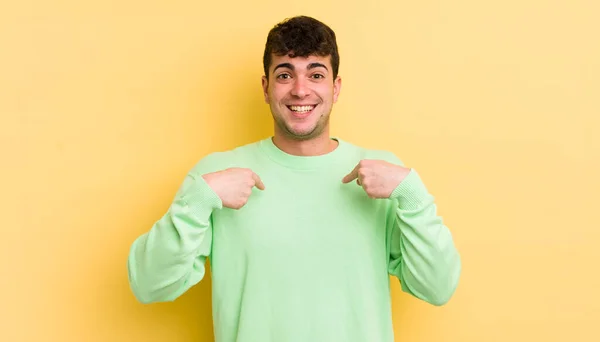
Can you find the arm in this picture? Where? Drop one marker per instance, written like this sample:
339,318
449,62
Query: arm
422,252
169,259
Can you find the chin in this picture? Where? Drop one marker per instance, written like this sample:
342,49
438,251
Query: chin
303,134
296,130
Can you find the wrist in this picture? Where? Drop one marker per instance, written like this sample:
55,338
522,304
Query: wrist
411,193
201,194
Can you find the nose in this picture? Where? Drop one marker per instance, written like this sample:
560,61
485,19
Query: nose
300,88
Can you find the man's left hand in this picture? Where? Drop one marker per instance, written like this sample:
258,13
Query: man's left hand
377,177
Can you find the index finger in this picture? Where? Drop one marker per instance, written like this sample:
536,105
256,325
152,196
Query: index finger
351,176
258,182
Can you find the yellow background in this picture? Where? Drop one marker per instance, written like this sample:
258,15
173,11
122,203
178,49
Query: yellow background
106,104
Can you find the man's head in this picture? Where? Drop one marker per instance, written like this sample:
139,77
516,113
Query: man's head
301,81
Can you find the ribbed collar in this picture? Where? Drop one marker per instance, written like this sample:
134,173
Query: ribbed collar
302,162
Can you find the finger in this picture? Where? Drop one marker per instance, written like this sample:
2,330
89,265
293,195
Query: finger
258,182
351,176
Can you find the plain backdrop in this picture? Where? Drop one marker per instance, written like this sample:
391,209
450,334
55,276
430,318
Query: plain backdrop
105,105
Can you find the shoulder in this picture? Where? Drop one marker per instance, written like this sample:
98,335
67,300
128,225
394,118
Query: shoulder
223,159
367,152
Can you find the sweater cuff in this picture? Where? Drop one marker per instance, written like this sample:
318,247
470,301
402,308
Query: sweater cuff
411,193
199,199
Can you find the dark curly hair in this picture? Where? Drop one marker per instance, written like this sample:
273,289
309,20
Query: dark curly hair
301,36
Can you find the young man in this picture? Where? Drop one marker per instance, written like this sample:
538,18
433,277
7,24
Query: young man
302,229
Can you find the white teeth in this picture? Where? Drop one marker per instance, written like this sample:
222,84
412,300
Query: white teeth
302,108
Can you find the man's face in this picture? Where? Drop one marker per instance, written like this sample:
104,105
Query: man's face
301,92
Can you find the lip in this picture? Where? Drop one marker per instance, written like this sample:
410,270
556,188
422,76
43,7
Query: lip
301,115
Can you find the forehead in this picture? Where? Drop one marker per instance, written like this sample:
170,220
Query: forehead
300,63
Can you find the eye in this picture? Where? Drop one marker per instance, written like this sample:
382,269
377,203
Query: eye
318,76
283,76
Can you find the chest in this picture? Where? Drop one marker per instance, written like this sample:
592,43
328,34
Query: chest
304,217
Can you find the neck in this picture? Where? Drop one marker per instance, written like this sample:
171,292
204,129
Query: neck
316,146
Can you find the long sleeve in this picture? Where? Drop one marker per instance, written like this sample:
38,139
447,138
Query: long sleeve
170,258
422,252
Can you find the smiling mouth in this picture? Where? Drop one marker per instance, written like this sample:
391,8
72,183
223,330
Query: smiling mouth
301,111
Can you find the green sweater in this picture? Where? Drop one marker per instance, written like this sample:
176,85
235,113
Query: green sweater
307,259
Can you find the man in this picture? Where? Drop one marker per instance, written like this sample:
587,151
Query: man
302,230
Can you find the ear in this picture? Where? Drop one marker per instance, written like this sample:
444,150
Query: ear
337,87
265,86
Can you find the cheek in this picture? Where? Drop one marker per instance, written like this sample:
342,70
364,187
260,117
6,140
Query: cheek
277,96
278,90
326,93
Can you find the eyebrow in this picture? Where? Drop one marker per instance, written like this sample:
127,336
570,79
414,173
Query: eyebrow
291,67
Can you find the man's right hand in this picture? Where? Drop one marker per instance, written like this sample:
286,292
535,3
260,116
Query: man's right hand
233,185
